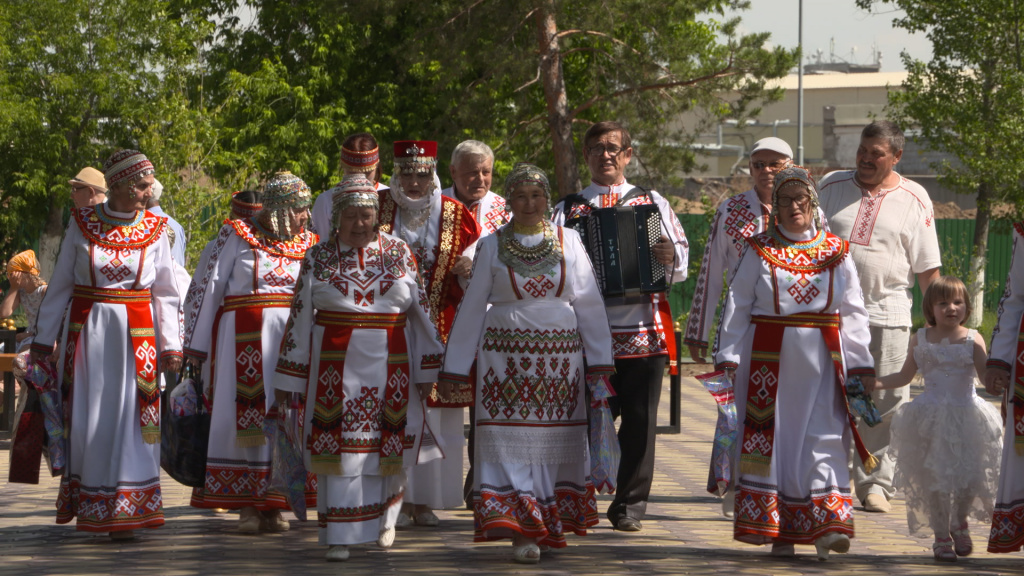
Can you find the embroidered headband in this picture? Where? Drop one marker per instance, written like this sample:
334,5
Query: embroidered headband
360,161
243,208
126,165
525,173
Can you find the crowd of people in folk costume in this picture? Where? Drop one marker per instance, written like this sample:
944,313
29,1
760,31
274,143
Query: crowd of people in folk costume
388,310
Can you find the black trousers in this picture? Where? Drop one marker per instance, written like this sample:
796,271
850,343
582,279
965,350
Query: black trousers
637,383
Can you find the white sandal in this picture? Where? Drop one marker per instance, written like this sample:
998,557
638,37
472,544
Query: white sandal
337,553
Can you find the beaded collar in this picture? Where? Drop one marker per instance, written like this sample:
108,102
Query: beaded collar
823,252
529,261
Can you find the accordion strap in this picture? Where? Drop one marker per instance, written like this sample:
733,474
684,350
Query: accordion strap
636,192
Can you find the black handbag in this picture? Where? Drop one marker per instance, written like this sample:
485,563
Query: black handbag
184,437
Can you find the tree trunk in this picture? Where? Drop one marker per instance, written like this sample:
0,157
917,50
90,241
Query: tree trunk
976,279
559,122
49,240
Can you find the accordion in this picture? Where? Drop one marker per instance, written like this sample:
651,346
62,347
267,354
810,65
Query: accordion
619,241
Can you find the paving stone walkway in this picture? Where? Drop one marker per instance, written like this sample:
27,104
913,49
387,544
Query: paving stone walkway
684,533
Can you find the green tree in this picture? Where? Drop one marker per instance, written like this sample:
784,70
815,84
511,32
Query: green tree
79,80
968,101
533,75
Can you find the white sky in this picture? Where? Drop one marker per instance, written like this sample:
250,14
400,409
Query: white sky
841,20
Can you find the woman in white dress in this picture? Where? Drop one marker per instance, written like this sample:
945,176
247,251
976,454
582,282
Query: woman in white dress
236,308
115,271
531,311
793,329
358,337
1003,377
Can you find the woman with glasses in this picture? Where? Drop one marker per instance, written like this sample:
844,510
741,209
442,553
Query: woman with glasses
235,314
793,330
114,277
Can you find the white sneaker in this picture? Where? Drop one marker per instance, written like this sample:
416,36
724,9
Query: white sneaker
729,504
249,520
403,521
337,554
386,538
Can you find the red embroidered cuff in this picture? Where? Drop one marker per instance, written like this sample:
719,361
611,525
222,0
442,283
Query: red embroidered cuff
170,354
991,363
40,348
430,361
726,366
289,368
455,378
695,342
862,371
195,354
598,370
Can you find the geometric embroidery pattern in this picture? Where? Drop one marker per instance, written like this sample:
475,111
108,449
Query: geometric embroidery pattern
762,514
499,509
127,506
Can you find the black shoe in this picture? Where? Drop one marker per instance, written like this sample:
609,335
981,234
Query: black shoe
627,524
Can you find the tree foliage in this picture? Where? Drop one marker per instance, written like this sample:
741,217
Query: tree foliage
968,101
223,93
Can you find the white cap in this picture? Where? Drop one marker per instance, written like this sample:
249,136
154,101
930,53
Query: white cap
774,144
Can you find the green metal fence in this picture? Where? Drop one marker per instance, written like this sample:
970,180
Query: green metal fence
955,240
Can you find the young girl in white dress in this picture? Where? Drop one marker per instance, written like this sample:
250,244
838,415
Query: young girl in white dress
947,441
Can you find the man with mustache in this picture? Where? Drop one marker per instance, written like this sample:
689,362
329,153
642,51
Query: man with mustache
890,224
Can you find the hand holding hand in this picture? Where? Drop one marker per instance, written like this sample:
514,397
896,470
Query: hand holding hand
463,266
870,384
172,364
996,381
697,354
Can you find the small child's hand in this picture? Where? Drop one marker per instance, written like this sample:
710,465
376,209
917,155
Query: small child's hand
996,380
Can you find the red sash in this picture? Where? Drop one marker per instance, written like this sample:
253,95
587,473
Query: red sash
325,440
143,337
250,397
763,386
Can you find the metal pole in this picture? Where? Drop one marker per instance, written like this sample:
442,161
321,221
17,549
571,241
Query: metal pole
800,88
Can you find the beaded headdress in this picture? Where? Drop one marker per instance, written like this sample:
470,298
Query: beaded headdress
242,208
282,192
802,175
412,156
126,166
365,161
525,173
353,190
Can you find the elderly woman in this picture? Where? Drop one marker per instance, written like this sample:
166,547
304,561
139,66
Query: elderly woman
358,336
793,329
115,271
532,480
236,308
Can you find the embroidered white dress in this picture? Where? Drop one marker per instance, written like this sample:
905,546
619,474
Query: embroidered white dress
532,466
112,478
1008,517
373,285
488,211
245,272
946,442
806,492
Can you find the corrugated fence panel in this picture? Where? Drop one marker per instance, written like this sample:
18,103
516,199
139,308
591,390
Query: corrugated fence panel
955,240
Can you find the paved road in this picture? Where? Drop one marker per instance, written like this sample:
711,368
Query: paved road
684,533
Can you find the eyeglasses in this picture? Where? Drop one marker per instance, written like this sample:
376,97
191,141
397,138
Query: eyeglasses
775,166
600,149
801,201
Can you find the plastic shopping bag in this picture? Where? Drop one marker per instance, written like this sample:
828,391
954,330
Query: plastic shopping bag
726,430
